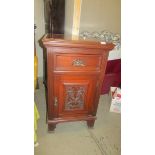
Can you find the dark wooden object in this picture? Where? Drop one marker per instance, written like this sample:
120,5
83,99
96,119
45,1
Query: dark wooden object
75,72
54,11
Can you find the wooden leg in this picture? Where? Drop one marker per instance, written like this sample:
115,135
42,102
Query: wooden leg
90,123
51,127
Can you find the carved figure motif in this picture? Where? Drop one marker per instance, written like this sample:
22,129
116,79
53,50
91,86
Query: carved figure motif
74,97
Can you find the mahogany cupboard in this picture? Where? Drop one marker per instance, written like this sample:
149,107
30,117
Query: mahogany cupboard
75,71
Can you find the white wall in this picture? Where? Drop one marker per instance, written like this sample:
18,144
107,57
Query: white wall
98,15
69,10
40,31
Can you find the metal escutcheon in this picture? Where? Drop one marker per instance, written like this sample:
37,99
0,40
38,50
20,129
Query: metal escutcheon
55,102
78,63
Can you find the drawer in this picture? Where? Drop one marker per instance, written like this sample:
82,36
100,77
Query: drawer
77,62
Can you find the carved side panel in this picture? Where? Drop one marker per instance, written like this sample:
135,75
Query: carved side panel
75,97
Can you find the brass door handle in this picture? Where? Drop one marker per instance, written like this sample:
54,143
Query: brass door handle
55,102
78,63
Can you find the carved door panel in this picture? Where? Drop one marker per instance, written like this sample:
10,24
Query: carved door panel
74,94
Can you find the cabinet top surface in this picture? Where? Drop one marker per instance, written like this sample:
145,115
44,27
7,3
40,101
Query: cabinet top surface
69,41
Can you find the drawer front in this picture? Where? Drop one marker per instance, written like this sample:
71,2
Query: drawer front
77,62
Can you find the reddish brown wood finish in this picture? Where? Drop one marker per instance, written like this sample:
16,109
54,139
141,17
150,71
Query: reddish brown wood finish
64,62
75,71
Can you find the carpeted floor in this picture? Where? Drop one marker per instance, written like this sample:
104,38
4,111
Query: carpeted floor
74,138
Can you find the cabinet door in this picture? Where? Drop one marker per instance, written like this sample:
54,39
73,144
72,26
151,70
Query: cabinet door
74,94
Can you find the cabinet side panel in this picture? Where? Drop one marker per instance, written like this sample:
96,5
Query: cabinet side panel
100,81
50,90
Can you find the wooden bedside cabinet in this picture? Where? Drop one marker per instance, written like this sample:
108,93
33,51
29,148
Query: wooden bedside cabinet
75,71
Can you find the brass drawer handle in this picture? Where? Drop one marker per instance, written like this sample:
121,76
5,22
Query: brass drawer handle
78,63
